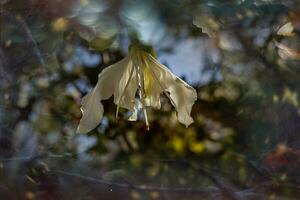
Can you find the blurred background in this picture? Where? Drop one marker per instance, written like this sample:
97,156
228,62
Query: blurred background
242,56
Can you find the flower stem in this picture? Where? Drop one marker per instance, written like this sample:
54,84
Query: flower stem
140,79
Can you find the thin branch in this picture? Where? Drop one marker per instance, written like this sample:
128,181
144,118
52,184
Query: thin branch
227,192
142,188
129,145
39,156
23,25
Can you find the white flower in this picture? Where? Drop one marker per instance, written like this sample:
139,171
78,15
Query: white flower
136,83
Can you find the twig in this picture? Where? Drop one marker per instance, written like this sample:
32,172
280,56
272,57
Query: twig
32,157
134,187
129,145
227,192
22,24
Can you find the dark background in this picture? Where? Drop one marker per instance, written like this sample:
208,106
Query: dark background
243,62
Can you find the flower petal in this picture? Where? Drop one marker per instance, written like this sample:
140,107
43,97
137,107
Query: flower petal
109,78
152,90
182,95
112,80
124,94
92,111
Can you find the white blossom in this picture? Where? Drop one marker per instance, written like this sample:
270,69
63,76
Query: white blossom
136,82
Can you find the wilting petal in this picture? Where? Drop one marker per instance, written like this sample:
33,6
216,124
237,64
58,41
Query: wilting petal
182,96
109,78
126,88
152,90
112,80
92,111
